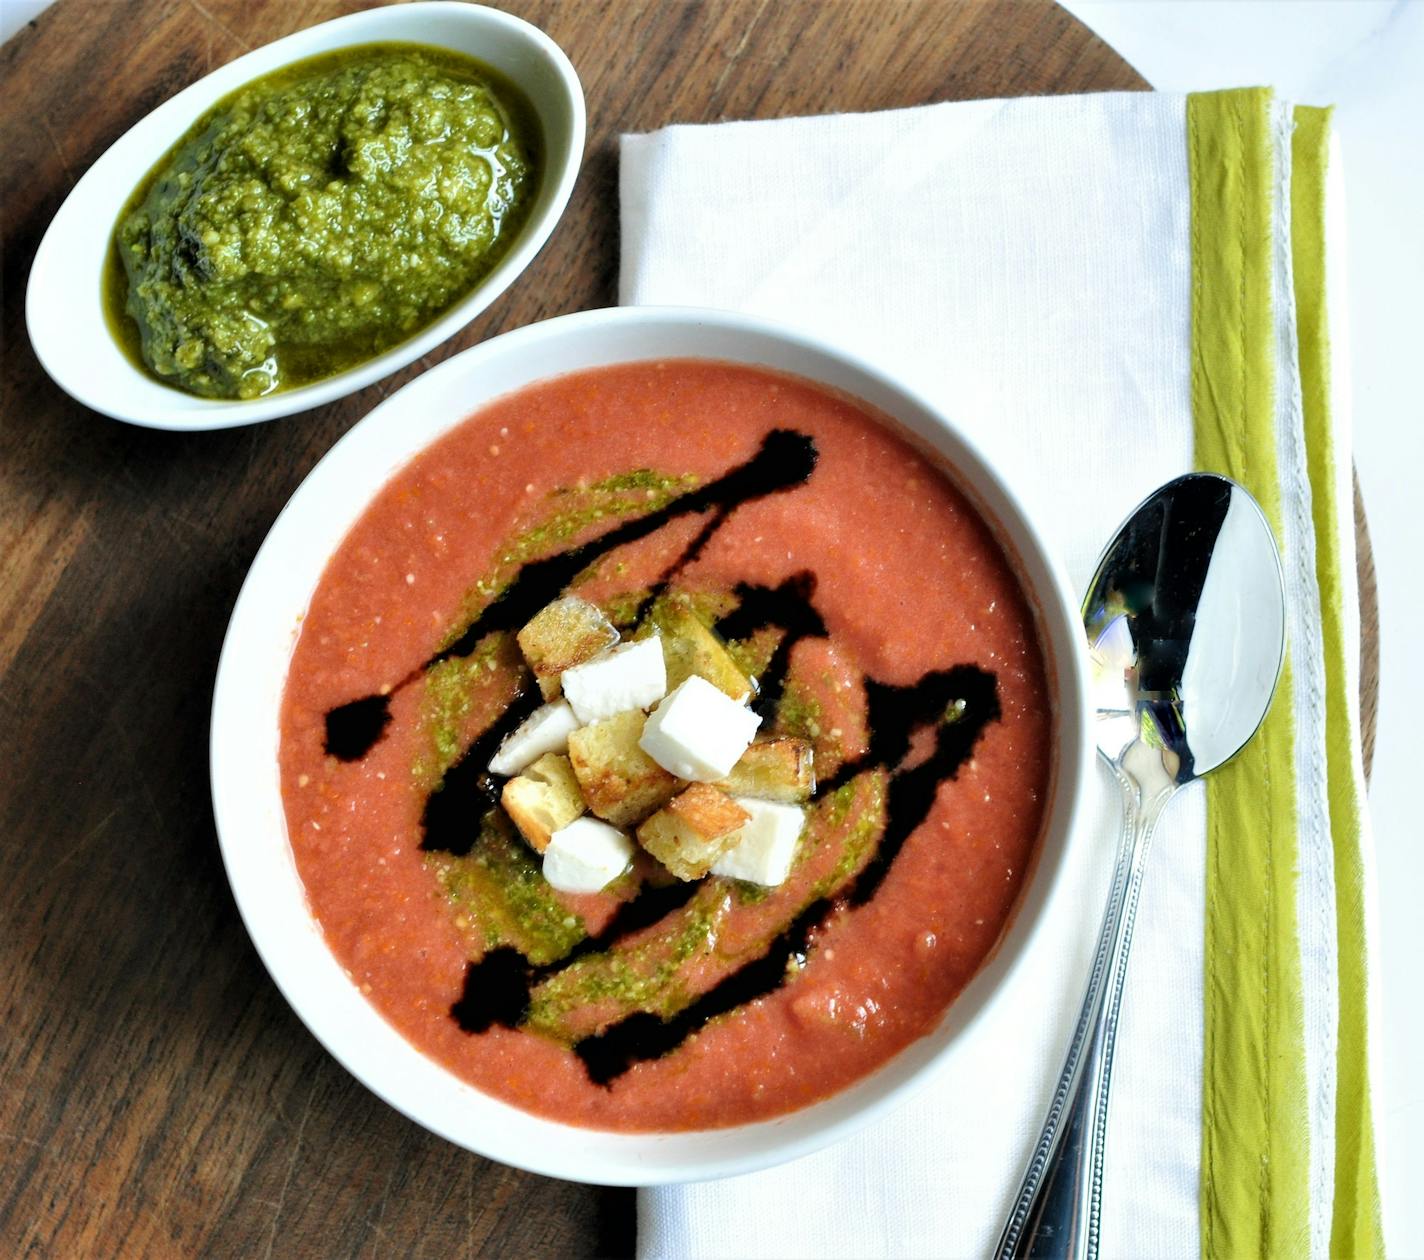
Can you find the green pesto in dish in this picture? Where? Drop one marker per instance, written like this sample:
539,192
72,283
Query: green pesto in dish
318,216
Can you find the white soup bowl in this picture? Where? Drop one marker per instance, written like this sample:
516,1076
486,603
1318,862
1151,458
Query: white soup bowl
247,798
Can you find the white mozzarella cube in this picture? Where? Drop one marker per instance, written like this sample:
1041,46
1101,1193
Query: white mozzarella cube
629,676
586,855
545,730
698,732
765,845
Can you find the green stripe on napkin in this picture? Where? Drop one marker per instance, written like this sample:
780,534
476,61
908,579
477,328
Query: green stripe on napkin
1355,1229
1254,1192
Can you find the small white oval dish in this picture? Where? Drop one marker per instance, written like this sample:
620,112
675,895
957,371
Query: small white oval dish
247,798
64,307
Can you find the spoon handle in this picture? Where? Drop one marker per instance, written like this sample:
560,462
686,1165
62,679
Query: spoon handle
1056,1210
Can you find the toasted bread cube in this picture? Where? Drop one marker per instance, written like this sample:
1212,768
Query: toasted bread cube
693,830
619,781
563,634
707,810
544,798
778,769
691,647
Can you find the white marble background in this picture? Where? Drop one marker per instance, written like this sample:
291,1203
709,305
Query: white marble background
1366,57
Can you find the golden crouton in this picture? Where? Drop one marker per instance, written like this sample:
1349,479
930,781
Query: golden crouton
620,782
563,634
693,830
778,769
543,798
691,647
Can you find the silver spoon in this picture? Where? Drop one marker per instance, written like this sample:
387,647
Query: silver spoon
1185,619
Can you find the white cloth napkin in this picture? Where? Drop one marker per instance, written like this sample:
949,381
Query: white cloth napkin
1026,264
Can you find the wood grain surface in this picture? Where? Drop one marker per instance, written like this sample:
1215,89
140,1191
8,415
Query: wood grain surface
157,1096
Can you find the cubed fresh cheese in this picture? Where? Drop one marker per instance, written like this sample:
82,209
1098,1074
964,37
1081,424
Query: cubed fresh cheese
545,730
765,847
630,676
586,855
698,732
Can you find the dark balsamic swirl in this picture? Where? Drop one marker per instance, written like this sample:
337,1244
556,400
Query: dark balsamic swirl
610,1053
893,715
786,460
450,821
497,988
786,607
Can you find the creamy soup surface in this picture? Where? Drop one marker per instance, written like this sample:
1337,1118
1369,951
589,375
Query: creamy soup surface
845,574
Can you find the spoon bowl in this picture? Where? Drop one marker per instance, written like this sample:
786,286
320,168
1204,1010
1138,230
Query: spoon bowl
1185,621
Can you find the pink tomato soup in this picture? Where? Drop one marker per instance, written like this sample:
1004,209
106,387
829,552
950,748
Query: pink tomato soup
921,683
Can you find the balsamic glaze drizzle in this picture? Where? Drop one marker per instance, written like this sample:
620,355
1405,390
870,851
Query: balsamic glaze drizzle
497,987
893,713
450,820
496,992
353,729
959,703
653,902
788,607
608,1054
467,791
786,460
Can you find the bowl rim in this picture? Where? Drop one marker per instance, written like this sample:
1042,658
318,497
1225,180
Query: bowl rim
600,1156
135,152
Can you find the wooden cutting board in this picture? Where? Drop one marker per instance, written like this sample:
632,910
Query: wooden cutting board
159,1097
